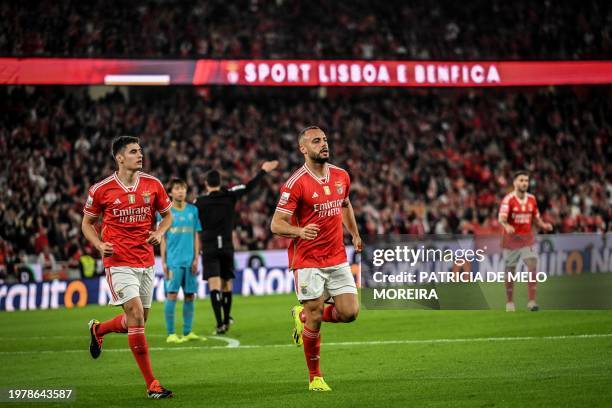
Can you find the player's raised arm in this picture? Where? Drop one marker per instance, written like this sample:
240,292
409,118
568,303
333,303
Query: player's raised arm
281,225
349,221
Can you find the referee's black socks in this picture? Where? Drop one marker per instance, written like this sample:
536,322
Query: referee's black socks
215,299
227,307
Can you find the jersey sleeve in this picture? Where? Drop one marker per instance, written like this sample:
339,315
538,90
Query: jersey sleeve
347,189
289,197
504,207
93,206
162,201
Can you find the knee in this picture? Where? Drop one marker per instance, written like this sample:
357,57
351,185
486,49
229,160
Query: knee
350,315
171,296
189,298
314,315
135,312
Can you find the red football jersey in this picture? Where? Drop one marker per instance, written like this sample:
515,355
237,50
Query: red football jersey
313,200
520,214
128,215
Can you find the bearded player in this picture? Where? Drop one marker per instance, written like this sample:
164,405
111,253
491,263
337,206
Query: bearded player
127,202
517,212
313,206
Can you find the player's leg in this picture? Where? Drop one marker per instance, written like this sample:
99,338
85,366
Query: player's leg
212,274
227,274
172,286
341,286
311,338
117,324
190,287
309,285
531,261
511,259
137,311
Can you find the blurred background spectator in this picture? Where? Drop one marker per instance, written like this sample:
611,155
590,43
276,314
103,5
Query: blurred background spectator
426,161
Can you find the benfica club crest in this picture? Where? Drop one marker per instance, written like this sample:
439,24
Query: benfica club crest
339,187
146,196
131,198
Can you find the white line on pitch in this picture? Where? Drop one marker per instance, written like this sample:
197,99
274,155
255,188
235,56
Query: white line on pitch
344,343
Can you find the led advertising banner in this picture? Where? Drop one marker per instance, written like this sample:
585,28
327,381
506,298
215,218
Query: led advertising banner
75,71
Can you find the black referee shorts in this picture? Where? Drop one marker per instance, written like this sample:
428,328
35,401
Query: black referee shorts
218,263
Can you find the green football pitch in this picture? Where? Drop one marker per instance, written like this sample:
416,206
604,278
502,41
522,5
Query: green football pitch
386,358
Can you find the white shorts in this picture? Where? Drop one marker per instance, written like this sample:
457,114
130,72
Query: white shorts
513,256
311,283
127,282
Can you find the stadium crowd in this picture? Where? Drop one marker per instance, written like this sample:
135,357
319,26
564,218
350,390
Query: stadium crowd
432,161
314,29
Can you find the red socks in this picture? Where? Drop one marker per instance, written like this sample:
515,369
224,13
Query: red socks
140,349
509,291
312,351
330,315
531,287
117,324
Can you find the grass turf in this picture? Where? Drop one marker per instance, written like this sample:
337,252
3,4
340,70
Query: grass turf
396,358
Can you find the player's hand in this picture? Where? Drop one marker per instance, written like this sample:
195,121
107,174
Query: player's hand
509,229
269,166
154,237
309,232
106,249
357,244
166,271
194,267
547,226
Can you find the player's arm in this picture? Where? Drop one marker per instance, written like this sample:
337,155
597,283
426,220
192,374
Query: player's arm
90,233
156,236
163,252
546,226
349,221
281,225
503,218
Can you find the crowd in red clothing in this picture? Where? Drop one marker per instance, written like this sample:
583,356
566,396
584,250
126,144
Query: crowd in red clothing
435,161
477,29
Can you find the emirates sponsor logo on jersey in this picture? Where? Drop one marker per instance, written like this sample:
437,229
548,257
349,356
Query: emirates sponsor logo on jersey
521,218
329,208
131,215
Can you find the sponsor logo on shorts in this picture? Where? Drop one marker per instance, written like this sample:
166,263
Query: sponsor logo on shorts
120,294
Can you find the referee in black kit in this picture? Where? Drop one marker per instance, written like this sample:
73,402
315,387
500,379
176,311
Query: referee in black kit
217,211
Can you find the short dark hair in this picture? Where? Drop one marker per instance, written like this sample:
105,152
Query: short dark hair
520,173
213,178
120,142
177,182
306,129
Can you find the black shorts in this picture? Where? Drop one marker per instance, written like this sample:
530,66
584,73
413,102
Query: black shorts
218,264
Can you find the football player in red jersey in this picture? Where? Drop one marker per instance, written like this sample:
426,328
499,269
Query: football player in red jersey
517,212
313,206
127,202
